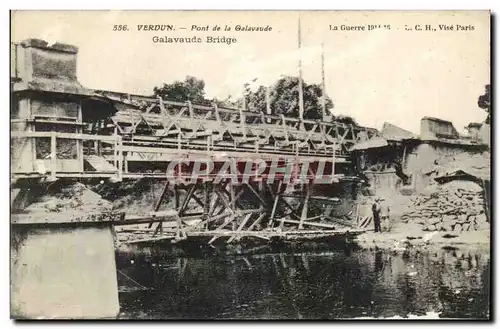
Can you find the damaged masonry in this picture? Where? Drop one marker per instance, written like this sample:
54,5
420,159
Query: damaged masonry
122,170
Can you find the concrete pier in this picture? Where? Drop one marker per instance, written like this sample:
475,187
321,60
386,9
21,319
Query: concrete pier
64,272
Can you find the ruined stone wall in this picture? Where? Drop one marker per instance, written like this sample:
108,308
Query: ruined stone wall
431,128
420,161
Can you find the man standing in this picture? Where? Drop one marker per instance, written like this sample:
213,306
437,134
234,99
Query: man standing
376,214
385,213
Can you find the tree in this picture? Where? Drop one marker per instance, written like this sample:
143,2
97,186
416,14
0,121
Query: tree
284,99
191,89
484,102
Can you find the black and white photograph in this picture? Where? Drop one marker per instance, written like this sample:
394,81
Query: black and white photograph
250,165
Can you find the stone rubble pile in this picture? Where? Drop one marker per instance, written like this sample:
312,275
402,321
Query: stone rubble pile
71,198
457,206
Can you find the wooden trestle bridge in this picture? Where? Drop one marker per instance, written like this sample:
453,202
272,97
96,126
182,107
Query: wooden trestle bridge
63,131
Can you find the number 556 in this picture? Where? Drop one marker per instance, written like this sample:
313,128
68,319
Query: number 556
120,28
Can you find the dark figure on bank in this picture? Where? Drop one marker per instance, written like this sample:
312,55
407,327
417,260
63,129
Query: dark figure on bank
376,208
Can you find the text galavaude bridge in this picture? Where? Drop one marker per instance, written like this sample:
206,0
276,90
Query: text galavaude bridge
203,27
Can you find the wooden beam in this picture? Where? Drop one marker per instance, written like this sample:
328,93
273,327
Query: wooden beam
256,194
291,221
275,204
233,201
111,138
168,237
240,227
158,203
231,219
186,199
305,208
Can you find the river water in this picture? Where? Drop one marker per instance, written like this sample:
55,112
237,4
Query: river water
330,284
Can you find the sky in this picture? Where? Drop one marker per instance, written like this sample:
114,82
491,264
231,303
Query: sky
386,74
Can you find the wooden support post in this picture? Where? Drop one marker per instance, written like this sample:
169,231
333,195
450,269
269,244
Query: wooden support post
191,112
162,196
303,216
222,198
270,189
251,227
125,161
323,87
115,149
305,262
120,159
159,228
263,203
186,199
357,215
240,227
293,212
261,192
180,235
236,197
176,197
53,155
158,204
231,220
206,201
198,200
233,201
276,199
214,202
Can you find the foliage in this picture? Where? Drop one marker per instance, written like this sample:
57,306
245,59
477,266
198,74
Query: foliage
191,89
284,99
484,102
345,119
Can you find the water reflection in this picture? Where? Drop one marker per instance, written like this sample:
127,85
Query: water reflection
327,285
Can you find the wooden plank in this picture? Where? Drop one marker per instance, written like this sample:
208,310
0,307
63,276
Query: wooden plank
315,197
64,135
291,221
161,238
266,154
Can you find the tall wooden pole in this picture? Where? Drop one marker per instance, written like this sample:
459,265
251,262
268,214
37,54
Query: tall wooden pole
268,100
301,91
323,89
244,98
268,103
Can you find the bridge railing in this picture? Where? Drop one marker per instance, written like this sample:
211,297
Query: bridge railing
60,167
148,119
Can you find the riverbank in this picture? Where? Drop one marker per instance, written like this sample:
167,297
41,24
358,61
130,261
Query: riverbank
407,235
400,238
